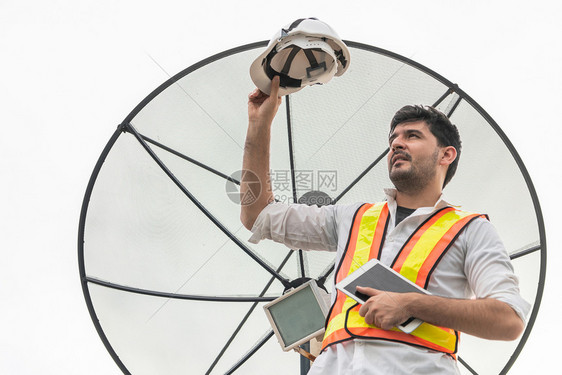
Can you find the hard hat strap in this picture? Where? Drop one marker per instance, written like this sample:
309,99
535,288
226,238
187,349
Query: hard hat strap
284,79
314,66
296,23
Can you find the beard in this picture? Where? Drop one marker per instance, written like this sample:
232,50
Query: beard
415,178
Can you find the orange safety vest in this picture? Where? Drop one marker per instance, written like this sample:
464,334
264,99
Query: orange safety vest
416,260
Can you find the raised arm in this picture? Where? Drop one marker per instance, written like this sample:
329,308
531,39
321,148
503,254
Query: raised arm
255,187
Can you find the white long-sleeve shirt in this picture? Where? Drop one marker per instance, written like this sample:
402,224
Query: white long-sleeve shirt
476,265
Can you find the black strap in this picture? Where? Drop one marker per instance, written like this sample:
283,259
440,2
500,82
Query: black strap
311,58
341,58
290,58
284,79
314,66
297,22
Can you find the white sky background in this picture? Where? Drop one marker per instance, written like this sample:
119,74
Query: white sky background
70,71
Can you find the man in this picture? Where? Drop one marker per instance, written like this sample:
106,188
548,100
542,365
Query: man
465,268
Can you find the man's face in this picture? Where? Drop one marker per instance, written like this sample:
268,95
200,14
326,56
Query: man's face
412,160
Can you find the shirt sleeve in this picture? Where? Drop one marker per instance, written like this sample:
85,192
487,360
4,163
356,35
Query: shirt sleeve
298,226
488,267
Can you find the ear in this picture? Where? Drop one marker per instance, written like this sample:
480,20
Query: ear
449,155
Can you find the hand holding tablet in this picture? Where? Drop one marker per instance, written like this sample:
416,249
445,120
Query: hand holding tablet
376,275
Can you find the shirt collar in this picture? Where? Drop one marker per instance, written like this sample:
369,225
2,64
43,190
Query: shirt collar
391,199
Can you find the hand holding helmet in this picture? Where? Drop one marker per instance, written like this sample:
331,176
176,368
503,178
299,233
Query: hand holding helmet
304,53
263,107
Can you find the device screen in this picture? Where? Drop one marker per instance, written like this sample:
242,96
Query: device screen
297,316
381,278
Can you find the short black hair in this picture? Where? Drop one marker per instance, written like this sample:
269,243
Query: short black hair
440,126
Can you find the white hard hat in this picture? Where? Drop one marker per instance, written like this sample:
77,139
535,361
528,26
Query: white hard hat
306,52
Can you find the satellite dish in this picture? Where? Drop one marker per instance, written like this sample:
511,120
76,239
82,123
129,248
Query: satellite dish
171,283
